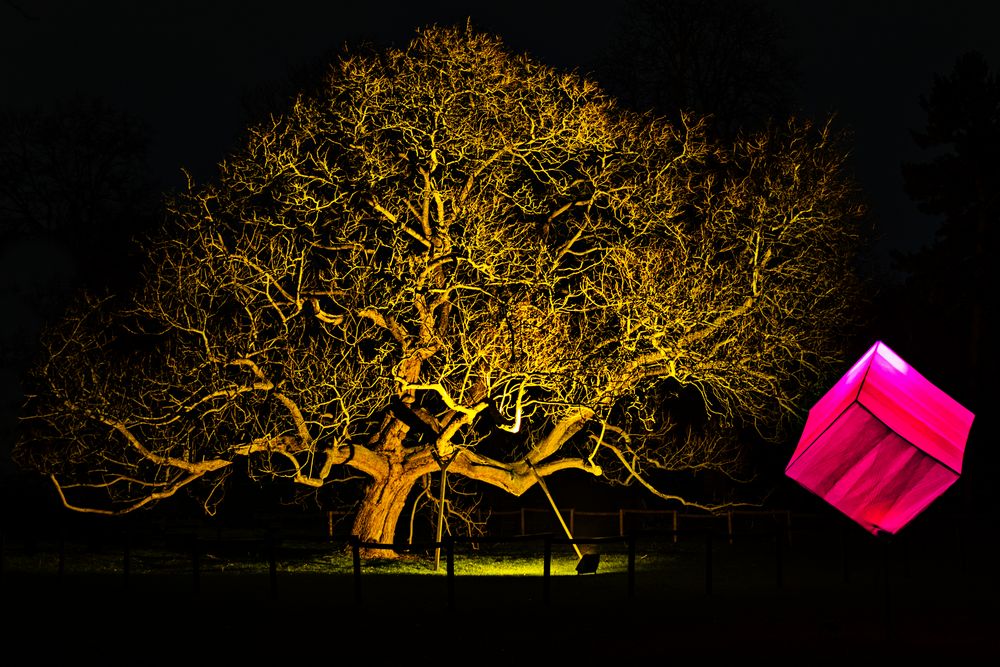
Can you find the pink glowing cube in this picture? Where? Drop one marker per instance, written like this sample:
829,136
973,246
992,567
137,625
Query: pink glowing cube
882,444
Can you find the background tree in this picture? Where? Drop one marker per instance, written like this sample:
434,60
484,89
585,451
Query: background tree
455,257
74,187
948,293
75,175
718,59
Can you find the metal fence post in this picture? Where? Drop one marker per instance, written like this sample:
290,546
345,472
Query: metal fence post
272,561
708,562
631,566
547,571
450,565
196,564
779,539
356,558
126,558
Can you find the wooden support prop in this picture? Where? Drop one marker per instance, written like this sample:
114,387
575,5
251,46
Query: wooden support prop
555,508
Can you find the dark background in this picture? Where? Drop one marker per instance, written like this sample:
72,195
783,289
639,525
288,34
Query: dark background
190,71
186,67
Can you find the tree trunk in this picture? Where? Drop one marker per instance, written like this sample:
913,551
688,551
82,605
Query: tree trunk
380,510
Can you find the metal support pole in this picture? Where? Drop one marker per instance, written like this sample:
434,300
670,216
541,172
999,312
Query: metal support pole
440,524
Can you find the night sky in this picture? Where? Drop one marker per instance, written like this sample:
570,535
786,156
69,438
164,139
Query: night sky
186,68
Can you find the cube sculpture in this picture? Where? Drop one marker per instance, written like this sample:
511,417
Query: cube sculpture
882,444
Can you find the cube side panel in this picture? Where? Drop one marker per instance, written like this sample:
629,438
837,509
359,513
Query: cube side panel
921,488
834,402
837,451
869,473
916,409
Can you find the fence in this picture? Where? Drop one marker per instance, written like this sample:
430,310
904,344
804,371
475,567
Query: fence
529,521
842,543
585,566
268,548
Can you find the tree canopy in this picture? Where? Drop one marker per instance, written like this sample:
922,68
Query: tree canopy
456,257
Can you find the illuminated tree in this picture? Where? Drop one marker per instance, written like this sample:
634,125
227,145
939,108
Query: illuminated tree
457,257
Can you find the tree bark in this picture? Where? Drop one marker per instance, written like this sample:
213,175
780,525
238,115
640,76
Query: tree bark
380,509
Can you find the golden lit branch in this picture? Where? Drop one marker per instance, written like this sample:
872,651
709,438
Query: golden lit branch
150,498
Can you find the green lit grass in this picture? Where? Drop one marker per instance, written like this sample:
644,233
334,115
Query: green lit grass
497,560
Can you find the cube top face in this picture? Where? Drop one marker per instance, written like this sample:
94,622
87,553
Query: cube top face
882,443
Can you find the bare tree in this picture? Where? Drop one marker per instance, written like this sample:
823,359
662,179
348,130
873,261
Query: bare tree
457,257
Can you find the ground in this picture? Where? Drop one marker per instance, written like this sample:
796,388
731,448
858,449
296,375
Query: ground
826,595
